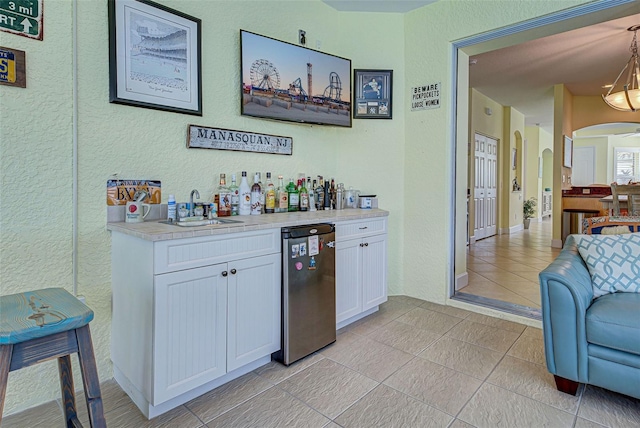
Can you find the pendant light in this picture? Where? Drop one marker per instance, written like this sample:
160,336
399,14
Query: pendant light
627,98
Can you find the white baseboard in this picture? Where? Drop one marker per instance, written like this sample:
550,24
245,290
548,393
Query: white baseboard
462,281
556,243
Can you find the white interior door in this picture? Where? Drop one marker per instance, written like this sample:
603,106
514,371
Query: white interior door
584,161
485,186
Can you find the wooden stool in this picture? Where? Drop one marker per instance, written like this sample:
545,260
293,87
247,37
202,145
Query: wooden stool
39,325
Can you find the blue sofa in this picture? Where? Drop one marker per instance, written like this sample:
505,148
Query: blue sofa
587,340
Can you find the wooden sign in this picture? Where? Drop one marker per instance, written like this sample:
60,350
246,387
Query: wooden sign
12,67
226,139
425,97
22,17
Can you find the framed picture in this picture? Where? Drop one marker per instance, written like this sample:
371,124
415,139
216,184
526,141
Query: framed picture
514,158
154,57
567,160
372,91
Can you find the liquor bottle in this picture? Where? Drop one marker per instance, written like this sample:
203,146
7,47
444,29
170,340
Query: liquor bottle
320,194
304,197
270,196
312,196
224,198
256,191
234,191
294,196
245,196
262,192
282,205
332,193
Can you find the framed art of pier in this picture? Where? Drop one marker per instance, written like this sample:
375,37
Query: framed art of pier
154,57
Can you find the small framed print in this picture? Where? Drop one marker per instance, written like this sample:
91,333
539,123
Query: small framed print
372,91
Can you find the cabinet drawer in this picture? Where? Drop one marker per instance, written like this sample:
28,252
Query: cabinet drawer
358,228
180,254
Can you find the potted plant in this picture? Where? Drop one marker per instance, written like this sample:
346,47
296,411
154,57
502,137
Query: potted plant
528,210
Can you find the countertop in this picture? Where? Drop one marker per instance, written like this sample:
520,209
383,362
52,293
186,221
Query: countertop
156,231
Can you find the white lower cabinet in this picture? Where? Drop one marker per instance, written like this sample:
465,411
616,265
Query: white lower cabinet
361,268
180,329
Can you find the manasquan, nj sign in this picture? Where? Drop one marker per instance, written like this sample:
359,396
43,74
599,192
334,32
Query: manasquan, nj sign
227,139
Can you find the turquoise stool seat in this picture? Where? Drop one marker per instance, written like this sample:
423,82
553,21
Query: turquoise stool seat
40,325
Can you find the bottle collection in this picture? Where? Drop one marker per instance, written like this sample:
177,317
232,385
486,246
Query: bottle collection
258,198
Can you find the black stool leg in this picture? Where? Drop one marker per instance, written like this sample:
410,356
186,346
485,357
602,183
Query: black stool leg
5,364
90,377
68,391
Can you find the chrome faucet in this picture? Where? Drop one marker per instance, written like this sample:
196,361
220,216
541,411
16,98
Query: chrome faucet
194,191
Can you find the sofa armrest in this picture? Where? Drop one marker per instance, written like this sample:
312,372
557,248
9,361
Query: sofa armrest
566,294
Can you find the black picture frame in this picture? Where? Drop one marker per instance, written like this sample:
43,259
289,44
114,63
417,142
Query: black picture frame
146,69
372,94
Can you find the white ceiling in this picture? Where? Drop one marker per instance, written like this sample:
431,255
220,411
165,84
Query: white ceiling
393,6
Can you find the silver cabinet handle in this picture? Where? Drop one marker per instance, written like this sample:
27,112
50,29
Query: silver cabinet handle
225,273
233,271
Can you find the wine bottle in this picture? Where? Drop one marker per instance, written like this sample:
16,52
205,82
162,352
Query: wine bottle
304,197
234,191
256,193
293,195
270,196
224,198
282,196
245,196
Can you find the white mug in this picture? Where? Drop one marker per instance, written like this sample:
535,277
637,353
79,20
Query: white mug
135,212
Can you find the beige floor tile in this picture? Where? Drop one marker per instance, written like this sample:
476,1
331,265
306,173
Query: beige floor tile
386,407
408,300
496,322
609,408
129,416
432,321
501,276
530,276
225,397
583,423
328,387
483,335
491,290
530,348
272,408
436,385
276,372
533,381
331,424
464,357
371,323
448,310
370,358
44,416
492,406
460,424
533,331
405,337
394,309
112,397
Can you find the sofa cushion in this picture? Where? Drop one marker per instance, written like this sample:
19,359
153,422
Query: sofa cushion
613,321
613,262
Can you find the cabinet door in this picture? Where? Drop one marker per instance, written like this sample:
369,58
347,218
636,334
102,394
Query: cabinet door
254,309
374,271
348,279
190,329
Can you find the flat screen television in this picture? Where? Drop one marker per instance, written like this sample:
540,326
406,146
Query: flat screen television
283,81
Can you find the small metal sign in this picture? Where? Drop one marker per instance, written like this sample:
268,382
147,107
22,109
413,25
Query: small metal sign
12,67
22,17
227,139
425,97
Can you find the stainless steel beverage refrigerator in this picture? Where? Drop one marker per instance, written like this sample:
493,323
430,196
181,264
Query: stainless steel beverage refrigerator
308,291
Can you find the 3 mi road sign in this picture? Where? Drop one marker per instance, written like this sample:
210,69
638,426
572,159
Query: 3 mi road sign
23,17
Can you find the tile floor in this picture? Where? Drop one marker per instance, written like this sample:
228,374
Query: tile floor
506,267
411,364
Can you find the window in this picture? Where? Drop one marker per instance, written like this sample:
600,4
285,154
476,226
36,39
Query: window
626,164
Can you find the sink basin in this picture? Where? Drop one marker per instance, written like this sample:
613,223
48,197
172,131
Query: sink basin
203,222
